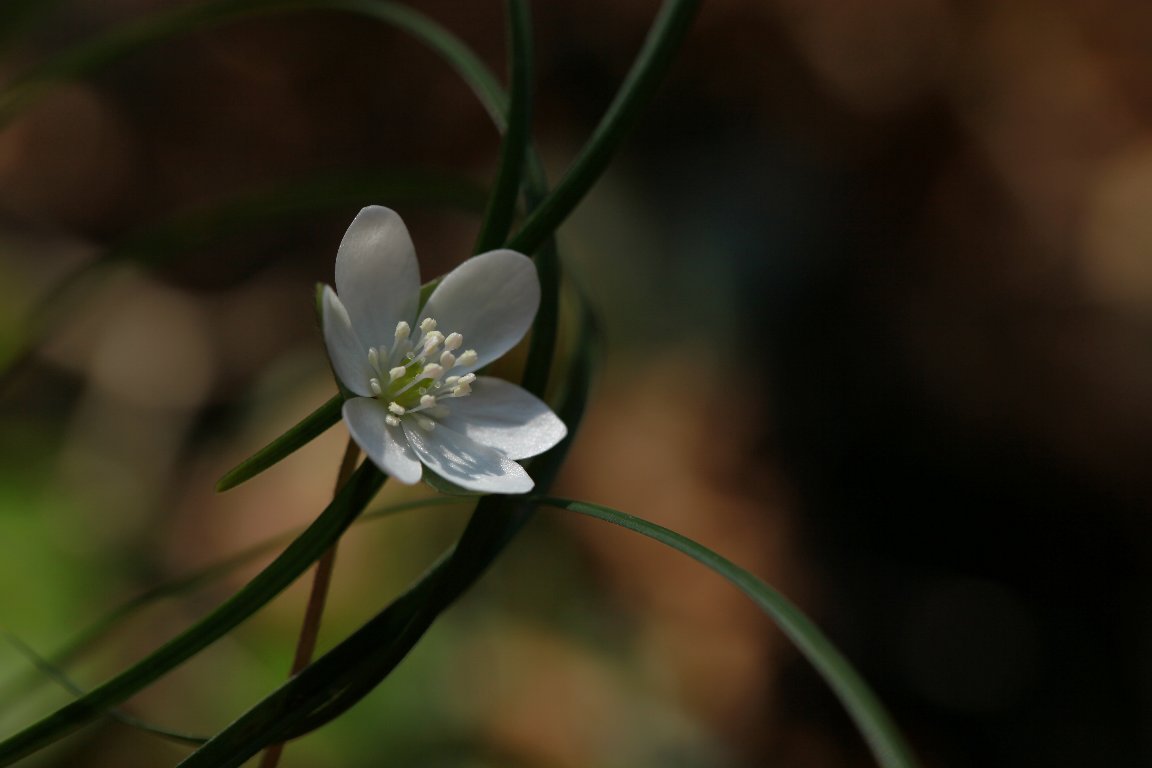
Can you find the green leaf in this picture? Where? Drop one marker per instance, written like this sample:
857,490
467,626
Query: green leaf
54,673
873,721
664,38
281,572
197,579
514,148
348,672
310,427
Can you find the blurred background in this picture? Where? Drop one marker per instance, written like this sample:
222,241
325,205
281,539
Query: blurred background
876,283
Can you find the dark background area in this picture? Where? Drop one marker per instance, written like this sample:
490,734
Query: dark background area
876,279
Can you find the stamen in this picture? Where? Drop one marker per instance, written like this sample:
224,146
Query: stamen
453,341
391,420
427,401
396,373
468,358
396,408
464,386
451,381
374,358
433,371
375,385
432,340
427,325
448,360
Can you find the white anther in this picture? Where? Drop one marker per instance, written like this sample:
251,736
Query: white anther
468,358
391,420
375,385
402,330
462,389
427,401
374,358
432,340
427,325
448,360
468,378
433,371
453,341
451,381
396,408
425,423
397,372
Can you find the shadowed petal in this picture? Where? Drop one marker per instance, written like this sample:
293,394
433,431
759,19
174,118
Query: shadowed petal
349,357
377,275
386,446
503,416
490,299
465,462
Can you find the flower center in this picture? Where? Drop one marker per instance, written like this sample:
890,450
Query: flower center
412,377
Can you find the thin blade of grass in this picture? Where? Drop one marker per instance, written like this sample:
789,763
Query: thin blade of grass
871,718
57,675
288,566
344,675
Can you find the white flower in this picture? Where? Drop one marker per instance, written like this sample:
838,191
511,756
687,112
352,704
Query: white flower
418,400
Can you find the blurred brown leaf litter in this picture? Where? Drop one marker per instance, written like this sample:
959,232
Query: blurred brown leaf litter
876,284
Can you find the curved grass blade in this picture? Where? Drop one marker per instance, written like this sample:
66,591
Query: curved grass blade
345,674
51,671
664,38
875,724
195,580
96,54
514,147
307,429
123,41
299,555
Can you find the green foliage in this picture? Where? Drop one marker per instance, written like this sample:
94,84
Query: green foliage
356,665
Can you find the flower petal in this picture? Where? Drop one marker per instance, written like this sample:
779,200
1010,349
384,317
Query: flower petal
349,357
490,299
503,416
377,275
465,462
386,446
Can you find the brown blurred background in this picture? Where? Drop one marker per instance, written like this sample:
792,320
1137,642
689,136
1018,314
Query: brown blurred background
876,279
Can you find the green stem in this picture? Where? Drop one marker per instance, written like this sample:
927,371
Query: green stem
317,598
663,41
89,637
281,572
873,721
307,429
514,148
346,673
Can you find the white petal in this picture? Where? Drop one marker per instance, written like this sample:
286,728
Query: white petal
349,357
503,416
465,462
386,446
490,299
377,275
